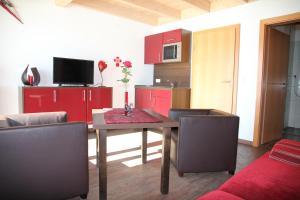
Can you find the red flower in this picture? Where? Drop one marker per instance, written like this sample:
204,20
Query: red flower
127,64
102,65
117,60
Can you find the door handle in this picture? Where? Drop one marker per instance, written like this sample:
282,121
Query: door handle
83,95
225,81
54,96
171,39
90,95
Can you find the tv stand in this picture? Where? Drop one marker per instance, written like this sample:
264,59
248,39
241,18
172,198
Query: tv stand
77,101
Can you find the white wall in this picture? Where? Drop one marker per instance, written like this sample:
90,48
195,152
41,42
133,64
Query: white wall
248,16
74,32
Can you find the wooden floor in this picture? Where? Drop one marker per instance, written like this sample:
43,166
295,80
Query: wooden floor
128,179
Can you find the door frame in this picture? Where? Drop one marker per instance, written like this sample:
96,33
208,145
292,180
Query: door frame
261,75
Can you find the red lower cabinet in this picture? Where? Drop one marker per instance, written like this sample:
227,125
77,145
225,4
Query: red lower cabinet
98,98
161,100
73,101
143,98
78,102
37,100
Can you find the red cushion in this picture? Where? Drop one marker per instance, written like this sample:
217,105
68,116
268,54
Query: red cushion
286,152
291,143
219,195
266,179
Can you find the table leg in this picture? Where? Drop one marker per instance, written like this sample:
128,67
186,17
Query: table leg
165,161
97,147
144,145
102,165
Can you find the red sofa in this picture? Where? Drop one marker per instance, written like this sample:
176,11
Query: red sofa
265,178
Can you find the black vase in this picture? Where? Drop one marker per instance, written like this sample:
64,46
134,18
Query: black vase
36,76
24,77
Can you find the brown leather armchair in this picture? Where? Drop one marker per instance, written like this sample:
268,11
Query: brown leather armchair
206,141
43,157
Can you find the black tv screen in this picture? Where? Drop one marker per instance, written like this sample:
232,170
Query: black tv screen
73,71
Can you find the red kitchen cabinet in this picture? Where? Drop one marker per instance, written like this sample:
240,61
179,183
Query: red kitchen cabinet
160,99
153,49
73,101
143,98
154,45
172,36
98,98
78,102
39,99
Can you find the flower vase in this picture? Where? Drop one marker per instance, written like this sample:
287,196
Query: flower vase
126,103
126,97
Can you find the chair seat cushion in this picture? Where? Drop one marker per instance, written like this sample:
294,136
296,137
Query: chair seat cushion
265,178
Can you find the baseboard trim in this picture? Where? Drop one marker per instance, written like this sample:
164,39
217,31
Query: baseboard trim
247,142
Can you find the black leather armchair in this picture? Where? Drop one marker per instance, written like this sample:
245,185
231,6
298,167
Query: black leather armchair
43,157
206,141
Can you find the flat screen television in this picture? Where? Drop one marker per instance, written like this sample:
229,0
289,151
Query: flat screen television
73,71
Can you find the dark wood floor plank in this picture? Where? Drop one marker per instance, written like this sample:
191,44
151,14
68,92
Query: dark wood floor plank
143,181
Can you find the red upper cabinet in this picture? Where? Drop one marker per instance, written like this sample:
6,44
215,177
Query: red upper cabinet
153,48
98,98
73,101
39,99
172,36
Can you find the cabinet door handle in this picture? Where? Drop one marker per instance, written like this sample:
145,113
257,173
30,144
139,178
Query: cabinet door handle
90,95
171,39
83,96
54,96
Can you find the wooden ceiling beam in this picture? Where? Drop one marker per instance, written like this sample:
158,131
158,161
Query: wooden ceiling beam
202,4
63,2
155,7
115,8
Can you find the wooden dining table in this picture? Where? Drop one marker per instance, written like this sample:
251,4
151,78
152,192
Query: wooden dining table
102,127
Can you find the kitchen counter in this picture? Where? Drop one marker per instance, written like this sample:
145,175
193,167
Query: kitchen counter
161,87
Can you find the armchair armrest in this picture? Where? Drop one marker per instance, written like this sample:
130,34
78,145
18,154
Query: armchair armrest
175,114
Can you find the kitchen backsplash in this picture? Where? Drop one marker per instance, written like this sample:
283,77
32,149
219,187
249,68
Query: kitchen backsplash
172,74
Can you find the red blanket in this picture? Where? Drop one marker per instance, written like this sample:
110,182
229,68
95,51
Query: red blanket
287,151
116,116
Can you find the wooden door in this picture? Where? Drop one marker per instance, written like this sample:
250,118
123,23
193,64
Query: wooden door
153,48
98,98
214,68
73,101
39,99
276,62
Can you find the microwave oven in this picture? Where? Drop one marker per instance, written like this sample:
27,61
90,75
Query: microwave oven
172,52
